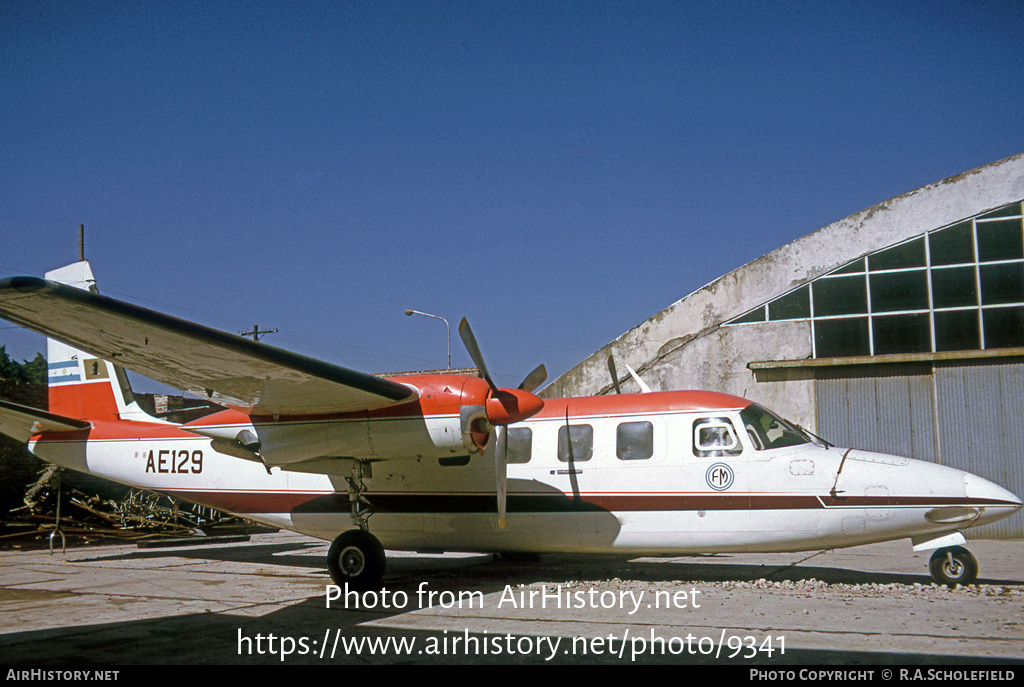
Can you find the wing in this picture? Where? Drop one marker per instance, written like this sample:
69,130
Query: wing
21,422
221,367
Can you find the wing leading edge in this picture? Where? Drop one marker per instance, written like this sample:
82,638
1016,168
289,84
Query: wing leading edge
221,367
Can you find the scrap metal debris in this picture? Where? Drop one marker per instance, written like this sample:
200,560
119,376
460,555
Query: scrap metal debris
138,514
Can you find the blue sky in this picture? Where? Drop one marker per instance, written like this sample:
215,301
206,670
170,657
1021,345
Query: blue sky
556,171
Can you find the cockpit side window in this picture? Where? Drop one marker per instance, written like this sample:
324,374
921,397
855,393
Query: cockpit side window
767,431
715,436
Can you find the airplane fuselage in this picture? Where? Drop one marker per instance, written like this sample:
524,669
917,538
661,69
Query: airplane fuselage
452,461
675,472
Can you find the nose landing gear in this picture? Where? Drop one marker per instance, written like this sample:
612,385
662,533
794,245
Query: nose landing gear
953,565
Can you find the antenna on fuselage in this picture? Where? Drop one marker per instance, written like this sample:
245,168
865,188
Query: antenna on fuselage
81,242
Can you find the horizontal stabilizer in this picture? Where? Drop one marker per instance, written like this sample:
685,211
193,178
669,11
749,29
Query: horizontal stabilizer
211,364
21,422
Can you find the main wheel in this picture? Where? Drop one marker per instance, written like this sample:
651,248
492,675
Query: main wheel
953,565
357,559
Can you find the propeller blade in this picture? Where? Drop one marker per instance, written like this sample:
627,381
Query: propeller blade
474,352
534,379
644,389
615,377
502,407
501,470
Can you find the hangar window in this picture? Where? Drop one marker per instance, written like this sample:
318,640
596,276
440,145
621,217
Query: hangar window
899,291
1003,283
958,287
952,246
954,287
901,334
956,330
795,305
840,296
634,440
575,443
900,256
755,315
1000,240
1004,327
842,337
854,267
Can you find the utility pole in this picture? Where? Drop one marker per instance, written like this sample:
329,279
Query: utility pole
256,332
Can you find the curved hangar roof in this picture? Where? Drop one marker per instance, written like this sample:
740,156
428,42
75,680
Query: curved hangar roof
928,273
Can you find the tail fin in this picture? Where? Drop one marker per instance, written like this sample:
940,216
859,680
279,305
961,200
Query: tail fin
82,385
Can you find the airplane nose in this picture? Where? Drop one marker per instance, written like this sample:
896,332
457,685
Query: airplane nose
995,501
990,492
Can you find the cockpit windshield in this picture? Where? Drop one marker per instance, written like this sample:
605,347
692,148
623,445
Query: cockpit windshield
767,431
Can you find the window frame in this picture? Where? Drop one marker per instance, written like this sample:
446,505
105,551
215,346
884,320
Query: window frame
648,449
703,450
566,443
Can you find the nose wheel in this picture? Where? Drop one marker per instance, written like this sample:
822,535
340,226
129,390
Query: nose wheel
356,558
953,565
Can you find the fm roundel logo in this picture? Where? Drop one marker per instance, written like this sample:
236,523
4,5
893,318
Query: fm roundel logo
719,476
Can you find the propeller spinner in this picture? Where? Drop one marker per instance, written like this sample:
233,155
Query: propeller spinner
502,407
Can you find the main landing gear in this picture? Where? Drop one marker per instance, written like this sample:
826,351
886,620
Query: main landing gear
953,565
357,559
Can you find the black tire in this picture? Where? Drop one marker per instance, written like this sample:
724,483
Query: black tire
962,569
357,559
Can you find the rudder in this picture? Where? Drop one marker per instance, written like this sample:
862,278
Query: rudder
81,385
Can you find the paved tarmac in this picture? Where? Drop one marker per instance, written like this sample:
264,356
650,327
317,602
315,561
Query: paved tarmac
265,602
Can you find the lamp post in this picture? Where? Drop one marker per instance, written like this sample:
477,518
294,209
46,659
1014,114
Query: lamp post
410,313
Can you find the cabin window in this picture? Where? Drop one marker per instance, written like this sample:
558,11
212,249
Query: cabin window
520,445
634,440
575,443
715,436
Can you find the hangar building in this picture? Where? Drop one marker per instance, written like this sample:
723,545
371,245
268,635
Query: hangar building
899,329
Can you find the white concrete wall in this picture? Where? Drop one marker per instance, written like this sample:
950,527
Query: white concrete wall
682,347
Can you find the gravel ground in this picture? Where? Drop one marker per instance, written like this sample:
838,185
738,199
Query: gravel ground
873,605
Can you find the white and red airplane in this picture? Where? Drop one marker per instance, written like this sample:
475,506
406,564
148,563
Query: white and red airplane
439,462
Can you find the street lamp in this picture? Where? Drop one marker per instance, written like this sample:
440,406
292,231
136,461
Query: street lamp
410,313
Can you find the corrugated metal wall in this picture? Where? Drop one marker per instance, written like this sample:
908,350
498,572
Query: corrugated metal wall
982,428
965,415
879,409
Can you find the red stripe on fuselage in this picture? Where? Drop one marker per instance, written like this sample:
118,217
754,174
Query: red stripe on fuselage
444,395
435,401
439,503
438,395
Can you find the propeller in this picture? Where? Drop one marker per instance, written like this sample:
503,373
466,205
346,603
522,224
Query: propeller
615,377
501,471
503,407
644,389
